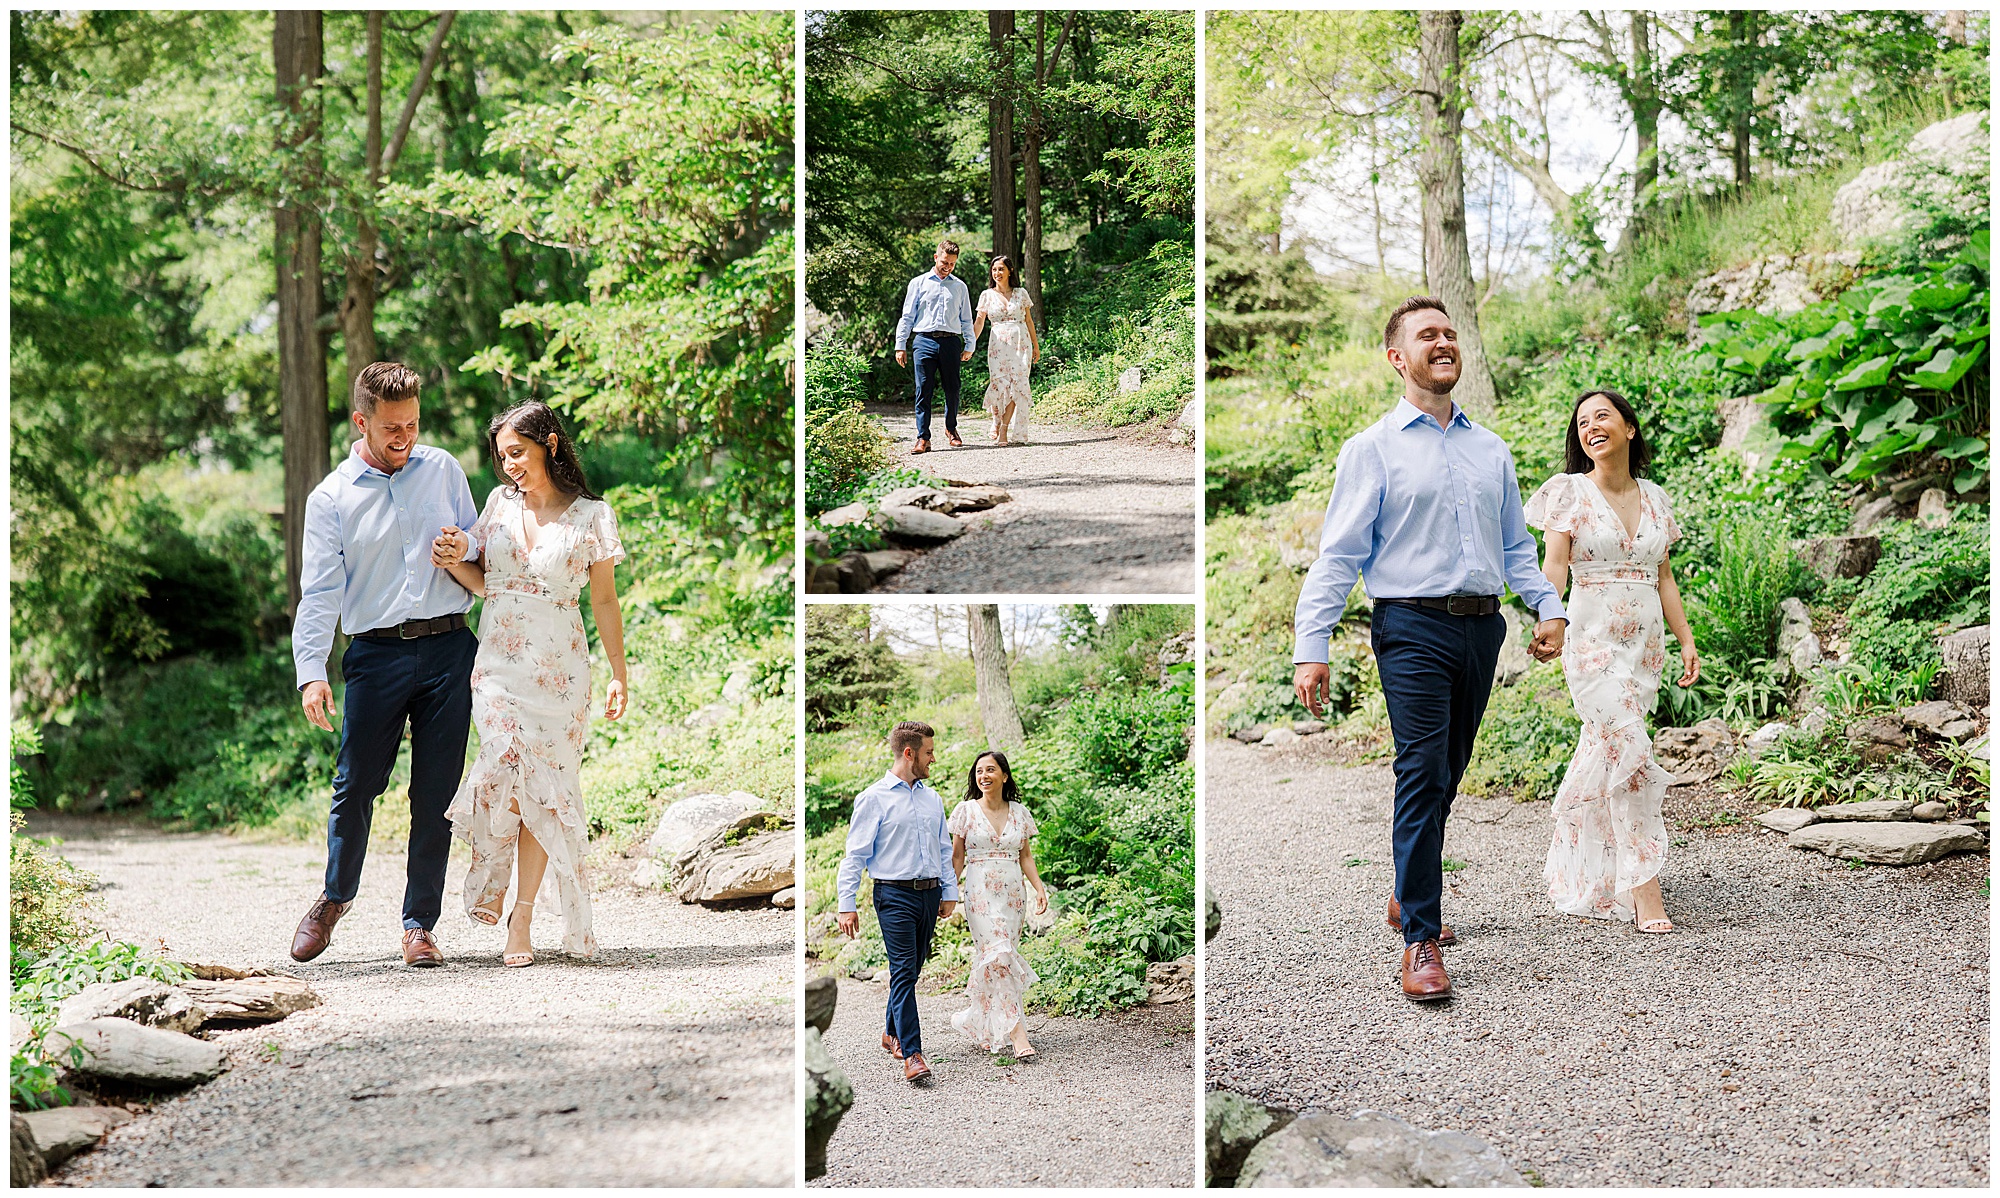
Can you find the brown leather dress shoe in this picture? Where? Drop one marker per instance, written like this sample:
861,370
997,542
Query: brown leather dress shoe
420,949
316,929
1424,978
914,1069
953,438
922,447
891,1046
1395,922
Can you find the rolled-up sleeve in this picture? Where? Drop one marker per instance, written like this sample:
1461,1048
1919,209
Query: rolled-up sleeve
1517,554
861,831
909,314
1346,539
946,874
322,580
466,515
964,311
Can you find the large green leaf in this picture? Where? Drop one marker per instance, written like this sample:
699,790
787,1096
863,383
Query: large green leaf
1938,295
1872,373
1946,367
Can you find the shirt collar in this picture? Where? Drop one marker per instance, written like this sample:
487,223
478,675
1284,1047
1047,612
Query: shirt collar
892,781
356,466
1408,414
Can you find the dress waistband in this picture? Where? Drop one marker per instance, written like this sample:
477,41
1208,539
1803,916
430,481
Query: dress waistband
992,855
516,585
1587,573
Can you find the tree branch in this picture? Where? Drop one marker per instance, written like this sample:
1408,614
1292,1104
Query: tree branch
175,186
417,89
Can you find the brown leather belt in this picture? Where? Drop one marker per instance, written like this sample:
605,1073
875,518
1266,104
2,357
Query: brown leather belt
410,630
910,883
1456,605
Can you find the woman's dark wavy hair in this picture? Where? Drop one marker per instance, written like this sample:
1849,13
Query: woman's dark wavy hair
1008,790
536,421
1013,277
1578,462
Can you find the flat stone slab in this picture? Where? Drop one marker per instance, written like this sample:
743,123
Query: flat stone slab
917,524
1279,736
1372,1149
141,1000
1873,811
1788,819
1887,843
120,1050
62,1132
251,1000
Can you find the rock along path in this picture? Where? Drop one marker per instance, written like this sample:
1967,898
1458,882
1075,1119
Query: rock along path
1806,1025
1095,511
667,1060
1108,1102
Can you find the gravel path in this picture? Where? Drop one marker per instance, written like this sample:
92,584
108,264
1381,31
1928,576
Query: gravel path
1807,1025
667,1060
1110,1102
1095,511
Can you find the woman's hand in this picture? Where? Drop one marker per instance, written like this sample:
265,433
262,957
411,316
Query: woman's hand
1041,900
1690,665
1036,356
615,699
448,549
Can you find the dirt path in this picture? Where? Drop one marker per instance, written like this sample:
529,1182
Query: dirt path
1807,1025
1095,511
1110,1103
667,1060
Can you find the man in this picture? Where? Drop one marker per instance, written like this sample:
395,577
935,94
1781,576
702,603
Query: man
937,308
367,565
1426,508
897,835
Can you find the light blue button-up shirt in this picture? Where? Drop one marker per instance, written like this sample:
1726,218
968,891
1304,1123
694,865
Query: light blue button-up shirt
897,832
1420,511
367,552
935,305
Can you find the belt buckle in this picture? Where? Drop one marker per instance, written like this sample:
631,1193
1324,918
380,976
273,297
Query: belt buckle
403,631
1451,605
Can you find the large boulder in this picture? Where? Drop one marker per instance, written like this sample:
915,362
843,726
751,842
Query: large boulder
1747,430
1514,661
62,1132
828,1096
141,1000
1798,645
1694,754
122,1051
1878,738
1887,843
1941,718
1373,1149
1841,557
1776,285
1944,166
251,1000
917,524
1967,676
1234,1125
25,1166
750,857
687,821
822,996
1170,981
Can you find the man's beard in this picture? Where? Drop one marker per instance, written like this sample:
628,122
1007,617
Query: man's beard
1425,380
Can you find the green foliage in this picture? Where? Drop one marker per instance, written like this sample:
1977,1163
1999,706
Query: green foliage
47,897
850,669
843,446
1527,738
42,980
1135,313
1880,377
1733,606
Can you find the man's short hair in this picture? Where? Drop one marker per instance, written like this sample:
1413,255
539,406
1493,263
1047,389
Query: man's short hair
947,245
1416,303
908,735
381,382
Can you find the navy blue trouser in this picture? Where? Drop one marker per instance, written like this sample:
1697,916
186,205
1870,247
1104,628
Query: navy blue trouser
1437,671
936,361
426,681
907,918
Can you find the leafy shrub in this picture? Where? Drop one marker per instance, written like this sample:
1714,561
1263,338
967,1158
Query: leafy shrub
41,981
843,444
846,667
1527,738
46,895
1733,606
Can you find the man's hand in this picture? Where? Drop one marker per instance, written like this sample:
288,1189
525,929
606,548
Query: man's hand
850,923
1548,643
946,907
317,699
966,356
1314,683
902,358
449,548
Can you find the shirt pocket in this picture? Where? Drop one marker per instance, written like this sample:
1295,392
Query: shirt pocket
432,516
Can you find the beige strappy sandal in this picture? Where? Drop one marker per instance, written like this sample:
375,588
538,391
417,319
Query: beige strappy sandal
1655,927
518,960
488,917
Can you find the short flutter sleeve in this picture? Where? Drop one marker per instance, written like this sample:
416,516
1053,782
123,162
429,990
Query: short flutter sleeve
956,824
991,304
481,531
1553,508
603,535
1666,510
1028,825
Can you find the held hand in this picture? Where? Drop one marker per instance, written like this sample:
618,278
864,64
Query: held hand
317,699
902,358
1037,355
1690,665
946,907
850,923
449,548
1548,641
615,699
1041,900
966,356
1313,682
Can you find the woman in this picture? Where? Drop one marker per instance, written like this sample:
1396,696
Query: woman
1608,530
544,536
990,831
1010,351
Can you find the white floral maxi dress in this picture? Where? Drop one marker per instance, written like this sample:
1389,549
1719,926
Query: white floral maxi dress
1009,354
995,895
531,704
1609,835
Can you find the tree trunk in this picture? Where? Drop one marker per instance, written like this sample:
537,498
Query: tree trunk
1742,33
1031,161
1645,119
1954,26
297,52
997,712
1441,174
1000,132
